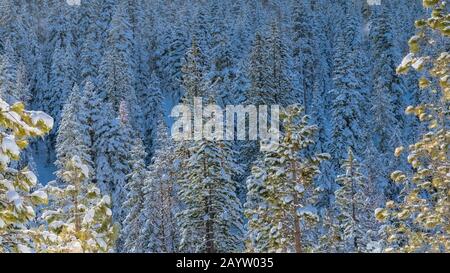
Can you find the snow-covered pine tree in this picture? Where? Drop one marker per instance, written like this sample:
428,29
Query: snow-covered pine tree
348,118
159,232
134,203
111,140
287,189
62,80
73,137
22,87
353,205
150,99
280,67
17,199
388,89
210,219
61,26
223,71
8,73
117,75
419,221
256,210
112,145
90,40
193,73
92,116
258,93
175,43
199,27
79,218
303,49
269,71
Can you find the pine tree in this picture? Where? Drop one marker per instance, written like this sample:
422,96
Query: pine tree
353,205
72,138
79,218
279,65
210,220
303,51
111,137
269,71
22,87
90,40
134,203
159,231
348,119
287,188
112,145
17,199
256,210
8,73
387,91
117,74
193,73
419,222
151,100
62,80
176,44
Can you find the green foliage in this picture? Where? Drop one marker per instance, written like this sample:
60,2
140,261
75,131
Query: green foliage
17,197
283,189
79,218
421,222
353,205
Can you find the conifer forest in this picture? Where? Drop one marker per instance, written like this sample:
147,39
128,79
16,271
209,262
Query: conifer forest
92,157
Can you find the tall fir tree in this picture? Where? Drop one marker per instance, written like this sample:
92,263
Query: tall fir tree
287,188
353,205
159,231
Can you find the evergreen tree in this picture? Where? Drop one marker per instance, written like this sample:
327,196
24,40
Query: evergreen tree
419,221
17,199
117,75
210,219
348,119
353,205
22,88
8,73
388,89
151,100
72,138
303,51
62,80
279,65
90,40
134,204
176,44
159,231
112,146
287,188
258,74
79,218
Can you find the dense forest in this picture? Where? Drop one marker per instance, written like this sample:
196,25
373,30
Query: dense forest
90,165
